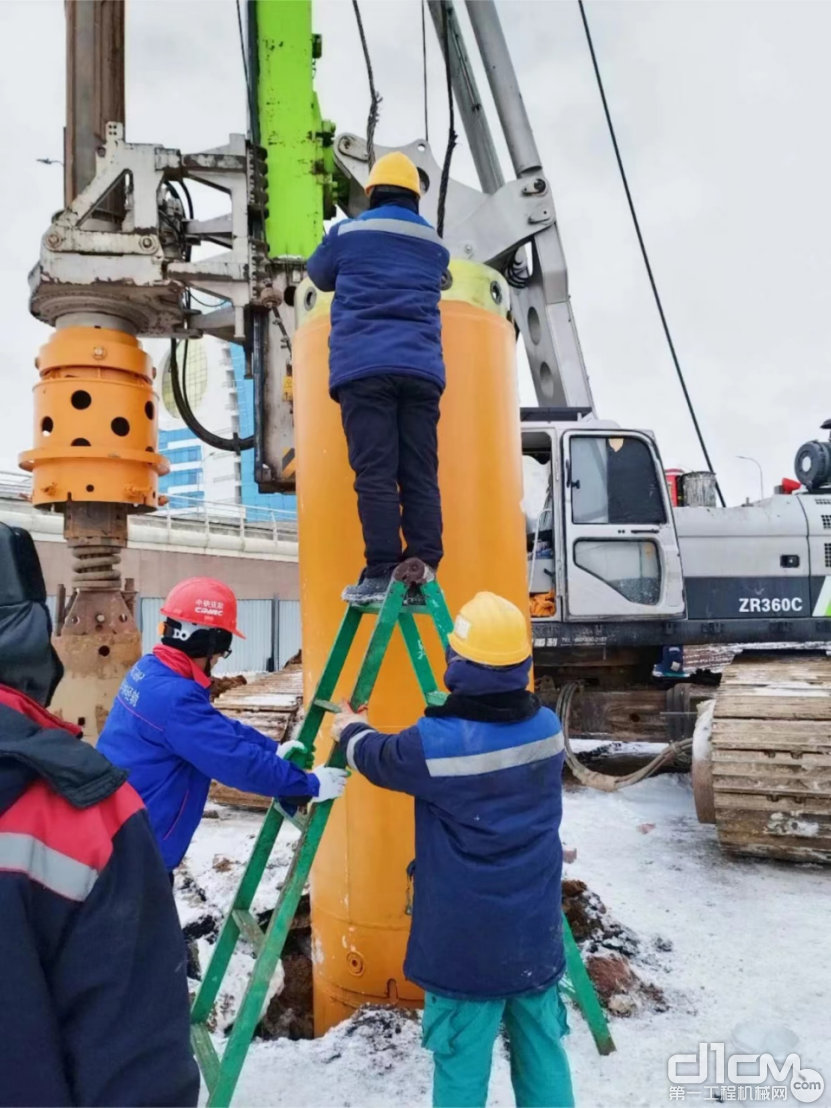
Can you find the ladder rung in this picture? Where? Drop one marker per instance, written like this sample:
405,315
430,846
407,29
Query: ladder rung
206,1056
296,821
327,706
249,928
415,607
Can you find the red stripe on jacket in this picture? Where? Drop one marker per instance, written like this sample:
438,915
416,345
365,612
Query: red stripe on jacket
24,704
85,834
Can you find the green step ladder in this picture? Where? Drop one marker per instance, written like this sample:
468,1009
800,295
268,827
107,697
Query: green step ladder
221,1074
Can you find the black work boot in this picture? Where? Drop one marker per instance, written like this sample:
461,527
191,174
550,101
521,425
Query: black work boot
369,590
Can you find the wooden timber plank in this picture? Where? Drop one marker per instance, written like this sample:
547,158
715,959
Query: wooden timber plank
271,704
782,743
778,771
810,730
806,807
782,789
222,794
767,704
808,667
796,758
799,676
782,849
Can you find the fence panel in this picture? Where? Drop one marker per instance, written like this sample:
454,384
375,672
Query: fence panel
254,653
288,634
149,611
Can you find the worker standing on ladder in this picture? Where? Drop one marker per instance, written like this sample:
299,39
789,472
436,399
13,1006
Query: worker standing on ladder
386,371
486,941
93,994
164,730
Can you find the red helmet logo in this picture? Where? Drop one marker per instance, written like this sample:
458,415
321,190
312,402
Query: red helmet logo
205,601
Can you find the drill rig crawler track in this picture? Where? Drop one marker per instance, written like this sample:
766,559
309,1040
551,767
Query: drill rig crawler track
765,781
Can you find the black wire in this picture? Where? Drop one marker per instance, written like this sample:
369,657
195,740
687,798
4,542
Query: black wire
236,445
172,189
650,274
424,68
205,304
375,99
452,137
516,273
186,191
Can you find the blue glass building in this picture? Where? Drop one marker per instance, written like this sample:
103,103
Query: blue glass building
250,495
185,485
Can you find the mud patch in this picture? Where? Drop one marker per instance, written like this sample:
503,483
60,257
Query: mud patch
290,1015
220,685
380,1029
593,928
608,949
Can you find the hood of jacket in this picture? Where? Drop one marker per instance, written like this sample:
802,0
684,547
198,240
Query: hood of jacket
486,694
35,744
471,679
28,661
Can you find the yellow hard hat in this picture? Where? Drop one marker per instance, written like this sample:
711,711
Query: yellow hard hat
492,631
395,169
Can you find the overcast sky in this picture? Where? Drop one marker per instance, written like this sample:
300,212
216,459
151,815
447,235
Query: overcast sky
722,116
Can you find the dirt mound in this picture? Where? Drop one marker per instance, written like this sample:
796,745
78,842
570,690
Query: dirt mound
608,949
220,685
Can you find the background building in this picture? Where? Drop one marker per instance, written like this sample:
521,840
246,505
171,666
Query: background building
222,401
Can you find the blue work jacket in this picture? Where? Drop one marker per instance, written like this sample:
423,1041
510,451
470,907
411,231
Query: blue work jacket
165,731
385,268
487,908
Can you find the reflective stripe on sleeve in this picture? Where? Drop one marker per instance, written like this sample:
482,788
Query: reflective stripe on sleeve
469,765
57,872
350,747
394,227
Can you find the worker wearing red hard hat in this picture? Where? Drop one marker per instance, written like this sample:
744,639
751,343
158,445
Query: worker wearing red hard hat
165,731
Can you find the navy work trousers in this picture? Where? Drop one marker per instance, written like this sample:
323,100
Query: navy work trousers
391,424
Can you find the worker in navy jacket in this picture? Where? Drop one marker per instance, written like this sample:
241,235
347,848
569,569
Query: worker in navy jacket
387,372
93,995
486,940
165,731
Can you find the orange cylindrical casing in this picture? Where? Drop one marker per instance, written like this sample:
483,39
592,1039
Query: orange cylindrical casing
361,894
96,421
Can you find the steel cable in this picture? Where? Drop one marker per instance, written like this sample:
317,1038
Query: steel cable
642,244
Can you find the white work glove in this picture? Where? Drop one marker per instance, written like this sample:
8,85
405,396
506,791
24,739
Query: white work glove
345,718
284,749
332,783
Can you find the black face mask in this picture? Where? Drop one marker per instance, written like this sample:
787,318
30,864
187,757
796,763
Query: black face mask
28,661
205,642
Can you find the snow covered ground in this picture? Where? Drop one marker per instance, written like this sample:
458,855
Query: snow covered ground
749,941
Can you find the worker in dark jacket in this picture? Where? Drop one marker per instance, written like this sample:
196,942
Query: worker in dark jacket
93,994
486,941
165,731
387,372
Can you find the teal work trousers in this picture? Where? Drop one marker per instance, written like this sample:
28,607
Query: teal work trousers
461,1036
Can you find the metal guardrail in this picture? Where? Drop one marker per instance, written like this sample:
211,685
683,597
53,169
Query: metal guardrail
13,486
184,510
242,518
